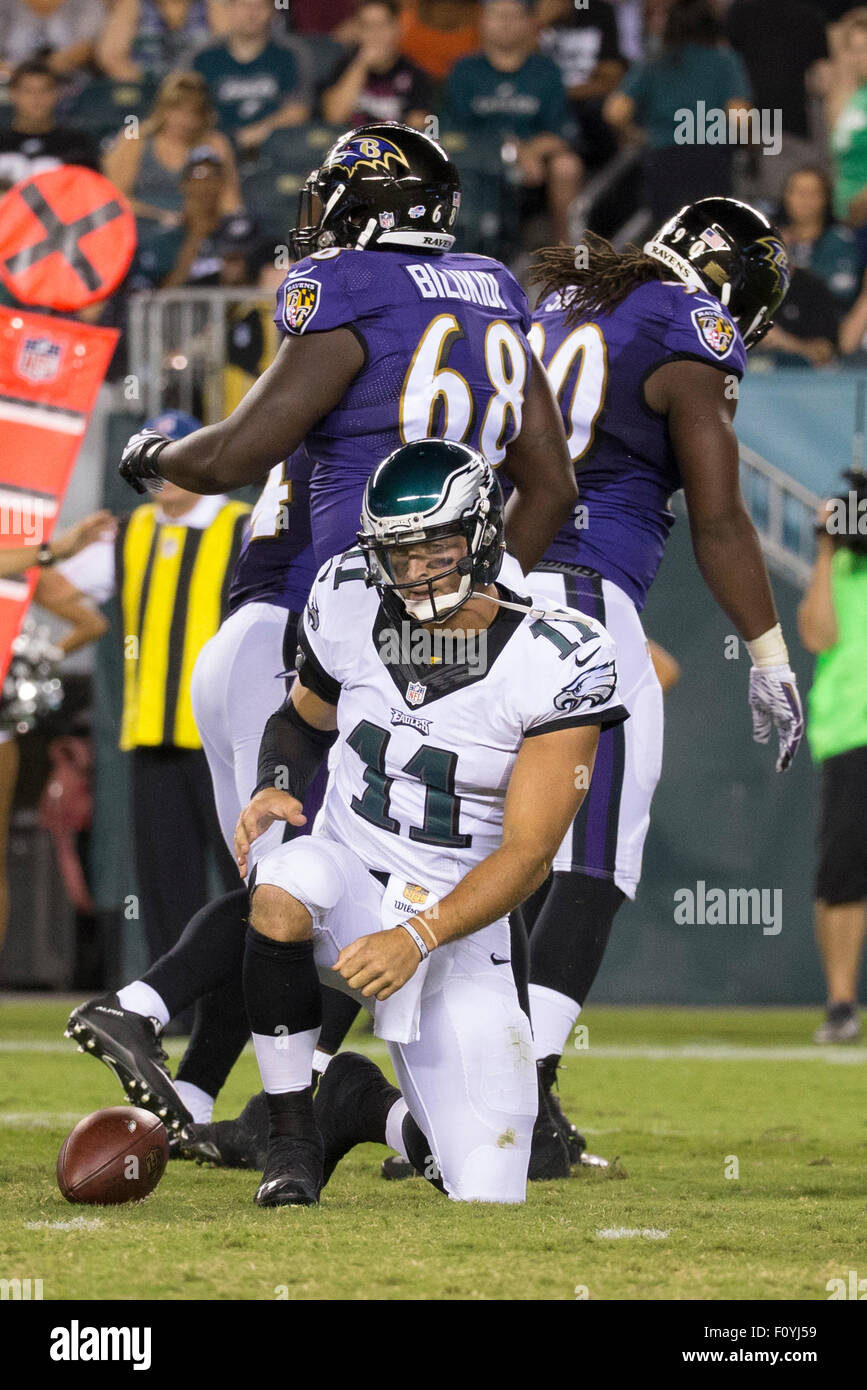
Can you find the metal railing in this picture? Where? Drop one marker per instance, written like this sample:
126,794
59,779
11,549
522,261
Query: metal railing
597,188
784,514
178,347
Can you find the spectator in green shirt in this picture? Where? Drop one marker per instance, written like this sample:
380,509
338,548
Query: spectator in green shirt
693,76
254,81
832,620
515,96
849,133
814,240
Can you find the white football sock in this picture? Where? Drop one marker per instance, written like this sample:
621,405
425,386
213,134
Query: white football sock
553,1017
197,1101
139,998
286,1060
394,1127
320,1061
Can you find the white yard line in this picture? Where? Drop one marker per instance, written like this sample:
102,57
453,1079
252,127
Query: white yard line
650,1052
632,1232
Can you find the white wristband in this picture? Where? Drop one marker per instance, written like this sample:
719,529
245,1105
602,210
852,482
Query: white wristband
419,940
769,649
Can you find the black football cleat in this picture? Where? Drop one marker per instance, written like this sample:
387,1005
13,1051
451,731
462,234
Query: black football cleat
240,1143
575,1141
350,1106
395,1168
129,1044
549,1152
293,1173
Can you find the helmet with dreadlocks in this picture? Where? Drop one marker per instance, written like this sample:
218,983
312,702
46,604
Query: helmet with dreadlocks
730,249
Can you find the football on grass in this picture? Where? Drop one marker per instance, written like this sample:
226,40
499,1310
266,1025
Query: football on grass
115,1155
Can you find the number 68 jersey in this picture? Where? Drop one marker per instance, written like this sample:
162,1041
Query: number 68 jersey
446,356
430,725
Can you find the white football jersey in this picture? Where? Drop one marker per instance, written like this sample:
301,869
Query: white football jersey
425,750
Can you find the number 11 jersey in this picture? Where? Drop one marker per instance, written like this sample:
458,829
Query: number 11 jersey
429,733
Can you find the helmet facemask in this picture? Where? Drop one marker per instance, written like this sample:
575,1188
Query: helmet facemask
437,592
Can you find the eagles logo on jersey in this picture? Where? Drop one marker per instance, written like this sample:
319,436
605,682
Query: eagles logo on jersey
367,152
589,689
715,330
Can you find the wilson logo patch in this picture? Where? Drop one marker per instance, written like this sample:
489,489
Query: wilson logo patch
715,331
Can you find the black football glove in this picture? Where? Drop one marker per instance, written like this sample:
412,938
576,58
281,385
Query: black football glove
138,461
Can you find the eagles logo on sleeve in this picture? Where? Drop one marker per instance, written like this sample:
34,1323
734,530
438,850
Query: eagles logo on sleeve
589,689
715,330
300,302
313,612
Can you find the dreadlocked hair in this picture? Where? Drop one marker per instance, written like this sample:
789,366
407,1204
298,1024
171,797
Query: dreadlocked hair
597,288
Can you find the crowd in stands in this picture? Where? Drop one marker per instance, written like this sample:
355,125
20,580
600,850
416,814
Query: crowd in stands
208,114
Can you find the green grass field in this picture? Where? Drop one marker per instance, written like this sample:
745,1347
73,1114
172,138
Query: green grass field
676,1094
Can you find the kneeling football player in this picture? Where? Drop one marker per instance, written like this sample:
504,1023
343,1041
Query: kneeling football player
467,721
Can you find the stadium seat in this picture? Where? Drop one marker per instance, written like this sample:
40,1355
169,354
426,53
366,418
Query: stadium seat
100,108
270,189
324,53
480,225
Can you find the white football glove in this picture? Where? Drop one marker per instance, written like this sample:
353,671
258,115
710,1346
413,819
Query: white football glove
774,701
138,460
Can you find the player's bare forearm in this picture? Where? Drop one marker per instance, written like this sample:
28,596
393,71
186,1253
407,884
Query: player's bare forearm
539,465
730,559
304,382
544,795
700,404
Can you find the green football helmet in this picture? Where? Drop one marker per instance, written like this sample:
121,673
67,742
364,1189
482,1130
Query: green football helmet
422,492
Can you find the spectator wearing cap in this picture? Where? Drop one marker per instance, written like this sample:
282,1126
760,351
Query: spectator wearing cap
373,82
189,254
437,33
62,32
151,38
583,42
693,74
256,83
34,142
169,566
148,170
511,92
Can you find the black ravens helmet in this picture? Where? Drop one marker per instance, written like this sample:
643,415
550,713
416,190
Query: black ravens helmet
381,186
421,493
730,249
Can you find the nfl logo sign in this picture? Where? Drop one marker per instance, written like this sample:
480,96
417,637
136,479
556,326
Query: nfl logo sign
39,359
415,693
386,220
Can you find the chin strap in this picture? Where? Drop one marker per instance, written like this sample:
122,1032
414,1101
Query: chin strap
530,610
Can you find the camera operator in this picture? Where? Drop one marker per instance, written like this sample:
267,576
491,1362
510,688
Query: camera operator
832,620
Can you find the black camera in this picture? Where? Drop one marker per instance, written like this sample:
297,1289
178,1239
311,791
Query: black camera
846,523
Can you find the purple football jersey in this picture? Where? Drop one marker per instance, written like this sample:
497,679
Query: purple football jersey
446,356
276,563
624,463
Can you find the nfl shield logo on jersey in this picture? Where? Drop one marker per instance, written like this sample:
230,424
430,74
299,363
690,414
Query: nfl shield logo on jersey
302,301
715,330
39,359
386,220
415,693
